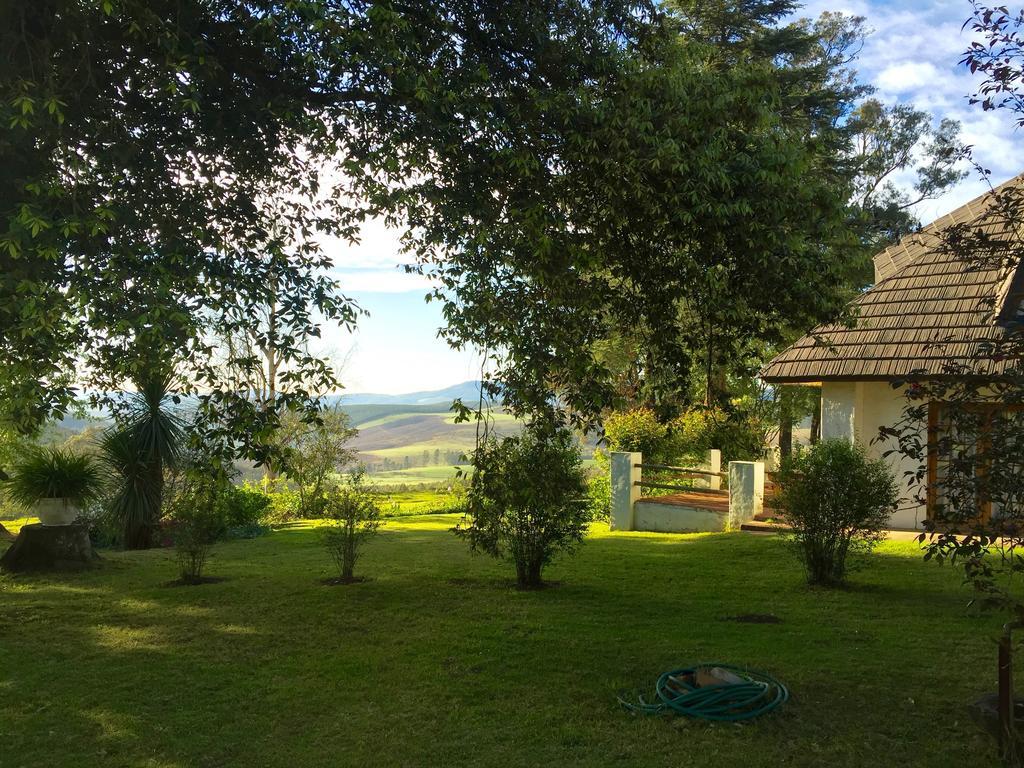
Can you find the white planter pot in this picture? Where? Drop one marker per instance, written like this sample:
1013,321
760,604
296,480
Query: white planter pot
56,512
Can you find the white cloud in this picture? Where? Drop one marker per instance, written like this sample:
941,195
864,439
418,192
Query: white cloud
913,57
908,76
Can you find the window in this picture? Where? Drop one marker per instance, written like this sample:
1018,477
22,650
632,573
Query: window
975,461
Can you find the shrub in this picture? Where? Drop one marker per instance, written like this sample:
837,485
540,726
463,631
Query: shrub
196,529
638,430
696,430
196,509
527,499
54,473
245,509
837,501
599,489
283,502
739,434
355,516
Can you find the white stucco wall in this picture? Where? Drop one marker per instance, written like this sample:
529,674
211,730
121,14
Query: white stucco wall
855,411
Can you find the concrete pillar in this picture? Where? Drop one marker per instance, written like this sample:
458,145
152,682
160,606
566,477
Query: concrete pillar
746,491
713,463
625,491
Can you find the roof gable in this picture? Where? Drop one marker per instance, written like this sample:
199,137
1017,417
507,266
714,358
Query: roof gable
927,308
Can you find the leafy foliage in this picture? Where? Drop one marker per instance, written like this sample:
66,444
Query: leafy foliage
163,166
48,473
960,433
638,431
313,452
864,144
998,56
197,513
527,499
610,177
354,512
837,502
739,434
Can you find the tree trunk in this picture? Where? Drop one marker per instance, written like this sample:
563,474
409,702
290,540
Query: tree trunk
816,420
528,574
786,436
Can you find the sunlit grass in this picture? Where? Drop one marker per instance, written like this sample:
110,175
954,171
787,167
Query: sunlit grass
438,660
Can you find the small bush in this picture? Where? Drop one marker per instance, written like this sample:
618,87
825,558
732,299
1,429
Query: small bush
195,531
837,501
196,515
738,434
283,502
528,499
245,510
639,431
599,489
696,430
355,516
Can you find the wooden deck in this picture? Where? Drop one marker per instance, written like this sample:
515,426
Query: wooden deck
714,502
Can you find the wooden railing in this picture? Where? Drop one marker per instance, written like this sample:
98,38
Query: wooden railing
677,470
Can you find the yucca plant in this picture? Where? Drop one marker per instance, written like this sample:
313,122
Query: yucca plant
54,473
146,443
134,503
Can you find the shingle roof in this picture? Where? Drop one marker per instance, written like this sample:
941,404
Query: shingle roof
926,308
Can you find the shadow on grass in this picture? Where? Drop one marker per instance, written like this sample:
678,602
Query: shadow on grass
163,678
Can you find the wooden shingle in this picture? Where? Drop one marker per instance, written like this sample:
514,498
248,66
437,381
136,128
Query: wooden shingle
927,308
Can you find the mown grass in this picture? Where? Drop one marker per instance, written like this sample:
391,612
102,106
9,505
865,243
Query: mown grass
438,661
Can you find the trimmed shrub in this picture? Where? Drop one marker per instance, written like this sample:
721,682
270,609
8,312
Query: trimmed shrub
838,502
527,499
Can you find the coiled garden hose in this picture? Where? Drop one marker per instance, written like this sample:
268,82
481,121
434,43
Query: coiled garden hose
749,694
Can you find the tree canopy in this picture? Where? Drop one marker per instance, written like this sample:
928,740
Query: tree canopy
162,160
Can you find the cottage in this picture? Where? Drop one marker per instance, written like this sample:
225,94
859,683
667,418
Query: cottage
925,309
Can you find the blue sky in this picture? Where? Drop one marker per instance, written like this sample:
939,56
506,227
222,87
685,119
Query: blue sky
911,57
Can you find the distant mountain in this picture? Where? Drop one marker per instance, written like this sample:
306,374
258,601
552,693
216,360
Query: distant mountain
469,391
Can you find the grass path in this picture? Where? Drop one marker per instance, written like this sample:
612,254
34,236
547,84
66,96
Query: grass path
437,661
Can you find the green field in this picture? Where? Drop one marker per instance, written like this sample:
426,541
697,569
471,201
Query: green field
437,660
365,415
414,476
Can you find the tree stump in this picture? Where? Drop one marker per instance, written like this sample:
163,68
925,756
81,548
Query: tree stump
5,535
50,548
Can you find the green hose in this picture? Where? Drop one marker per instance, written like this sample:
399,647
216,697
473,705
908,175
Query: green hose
755,695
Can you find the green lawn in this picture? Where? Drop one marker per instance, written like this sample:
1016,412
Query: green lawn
437,661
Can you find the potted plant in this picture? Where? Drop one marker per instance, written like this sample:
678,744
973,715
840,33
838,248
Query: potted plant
55,483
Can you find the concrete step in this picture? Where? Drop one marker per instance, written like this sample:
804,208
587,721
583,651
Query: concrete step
767,517
761,526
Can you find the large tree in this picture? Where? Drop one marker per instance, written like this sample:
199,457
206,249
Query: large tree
153,154
864,143
602,182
